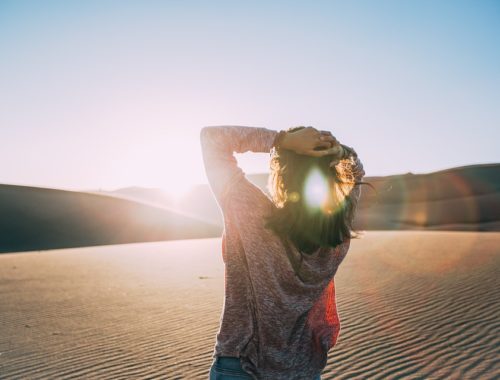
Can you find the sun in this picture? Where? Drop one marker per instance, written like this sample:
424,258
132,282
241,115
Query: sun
177,189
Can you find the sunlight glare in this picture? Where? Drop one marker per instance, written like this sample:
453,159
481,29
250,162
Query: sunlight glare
316,189
177,188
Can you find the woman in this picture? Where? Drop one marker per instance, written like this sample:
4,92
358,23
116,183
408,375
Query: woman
280,255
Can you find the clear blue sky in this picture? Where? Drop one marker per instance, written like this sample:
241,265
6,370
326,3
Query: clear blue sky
105,94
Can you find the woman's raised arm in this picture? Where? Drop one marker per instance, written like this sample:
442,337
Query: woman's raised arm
218,143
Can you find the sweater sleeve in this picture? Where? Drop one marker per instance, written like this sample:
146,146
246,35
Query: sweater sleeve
218,143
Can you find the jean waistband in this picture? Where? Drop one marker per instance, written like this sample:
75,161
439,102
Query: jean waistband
231,362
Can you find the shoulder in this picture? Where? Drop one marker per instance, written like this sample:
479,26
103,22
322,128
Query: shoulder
243,195
247,203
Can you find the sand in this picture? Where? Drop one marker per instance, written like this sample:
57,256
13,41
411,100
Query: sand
413,304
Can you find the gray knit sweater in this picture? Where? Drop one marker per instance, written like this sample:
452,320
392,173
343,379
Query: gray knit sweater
279,326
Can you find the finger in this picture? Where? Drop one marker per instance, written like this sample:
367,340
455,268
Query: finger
326,133
314,153
330,151
327,136
322,149
332,144
323,145
331,139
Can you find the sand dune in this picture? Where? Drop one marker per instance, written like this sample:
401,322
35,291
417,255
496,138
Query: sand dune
33,218
413,305
474,213
460,199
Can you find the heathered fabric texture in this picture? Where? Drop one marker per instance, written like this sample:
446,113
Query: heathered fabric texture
279,326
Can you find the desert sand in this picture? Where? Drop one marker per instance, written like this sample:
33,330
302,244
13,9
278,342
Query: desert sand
412,304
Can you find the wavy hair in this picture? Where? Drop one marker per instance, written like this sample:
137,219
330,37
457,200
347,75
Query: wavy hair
311,227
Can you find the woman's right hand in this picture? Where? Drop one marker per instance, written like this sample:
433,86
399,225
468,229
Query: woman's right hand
311,142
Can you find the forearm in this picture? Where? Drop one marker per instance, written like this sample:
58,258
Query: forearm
239,139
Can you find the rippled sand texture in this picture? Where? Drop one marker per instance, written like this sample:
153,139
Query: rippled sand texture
413,304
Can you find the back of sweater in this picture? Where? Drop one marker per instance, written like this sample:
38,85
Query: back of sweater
278,325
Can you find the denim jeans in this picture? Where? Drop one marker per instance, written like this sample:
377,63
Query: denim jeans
229,368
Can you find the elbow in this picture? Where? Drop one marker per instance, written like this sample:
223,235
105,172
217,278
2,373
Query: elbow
210,137
204,132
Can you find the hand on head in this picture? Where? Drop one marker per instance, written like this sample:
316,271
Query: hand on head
312,142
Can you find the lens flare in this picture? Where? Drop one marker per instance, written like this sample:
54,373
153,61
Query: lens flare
316,189
294,197
432,203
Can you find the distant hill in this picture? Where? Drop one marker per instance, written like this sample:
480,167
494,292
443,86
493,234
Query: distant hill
458,199
33,218
464,198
